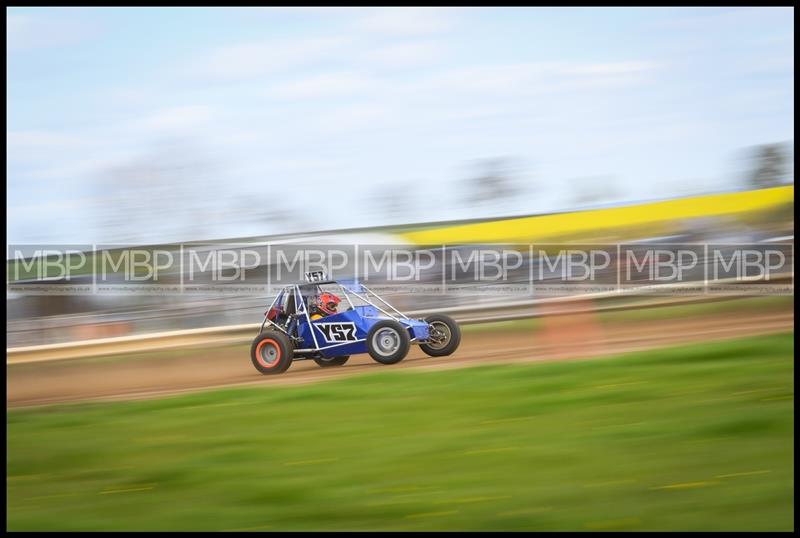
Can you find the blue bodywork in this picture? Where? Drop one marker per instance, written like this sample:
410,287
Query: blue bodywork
343,333
362,318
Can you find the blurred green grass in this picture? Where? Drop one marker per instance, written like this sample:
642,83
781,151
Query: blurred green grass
690,438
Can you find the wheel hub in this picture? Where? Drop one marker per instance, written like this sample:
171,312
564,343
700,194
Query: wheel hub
387,341
269,354
438,335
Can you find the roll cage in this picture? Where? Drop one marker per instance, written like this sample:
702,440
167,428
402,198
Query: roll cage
292,304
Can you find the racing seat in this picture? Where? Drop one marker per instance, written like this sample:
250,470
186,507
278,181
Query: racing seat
280,314
290,315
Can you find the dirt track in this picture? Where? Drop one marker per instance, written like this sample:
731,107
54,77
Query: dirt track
153,374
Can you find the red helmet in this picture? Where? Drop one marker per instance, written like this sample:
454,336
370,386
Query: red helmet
328,302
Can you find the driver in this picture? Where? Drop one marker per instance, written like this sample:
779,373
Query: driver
326,304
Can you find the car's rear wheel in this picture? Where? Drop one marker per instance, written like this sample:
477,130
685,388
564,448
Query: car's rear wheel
271,352
332,361
444,336
388,342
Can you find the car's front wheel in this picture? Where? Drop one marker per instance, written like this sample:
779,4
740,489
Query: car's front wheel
444,336
388,342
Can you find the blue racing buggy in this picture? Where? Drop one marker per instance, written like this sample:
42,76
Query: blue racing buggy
294,330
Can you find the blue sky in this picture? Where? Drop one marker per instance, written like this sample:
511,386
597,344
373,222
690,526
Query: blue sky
335,107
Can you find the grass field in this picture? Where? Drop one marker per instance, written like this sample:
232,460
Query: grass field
697,437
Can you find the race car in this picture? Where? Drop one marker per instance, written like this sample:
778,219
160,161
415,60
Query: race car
365,323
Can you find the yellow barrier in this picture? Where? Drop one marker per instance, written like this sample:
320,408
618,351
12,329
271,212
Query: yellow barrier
654,215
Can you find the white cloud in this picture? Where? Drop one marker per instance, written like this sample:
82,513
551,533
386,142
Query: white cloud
354,117
734,18
325,85
77,168
49,207
406,54
535,78
607,69
29,32
36,140
254,59
137,95
37,146
404,21
178,118
486,93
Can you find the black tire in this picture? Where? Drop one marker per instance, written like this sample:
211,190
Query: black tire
388,342
452,336
271,352
333,361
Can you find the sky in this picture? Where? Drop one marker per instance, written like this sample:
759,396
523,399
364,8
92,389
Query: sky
273,120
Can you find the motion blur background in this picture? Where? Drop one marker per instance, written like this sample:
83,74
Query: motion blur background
160,125
156,126
399,127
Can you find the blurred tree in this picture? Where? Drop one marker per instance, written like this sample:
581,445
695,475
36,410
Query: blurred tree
593,190
267,215
165,195
393,201
493,182
770,166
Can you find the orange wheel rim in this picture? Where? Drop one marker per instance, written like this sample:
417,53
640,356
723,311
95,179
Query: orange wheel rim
260,357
